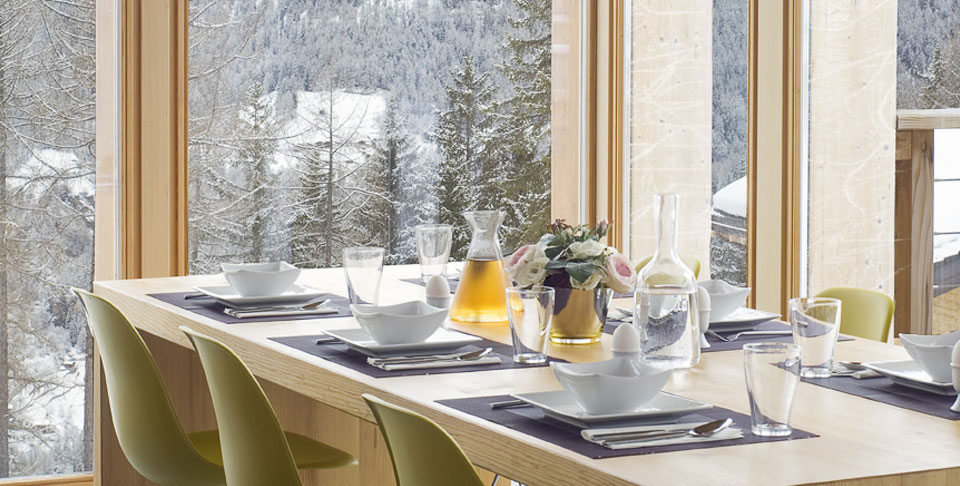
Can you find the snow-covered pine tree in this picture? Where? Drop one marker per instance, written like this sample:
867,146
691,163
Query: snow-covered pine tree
392,151
257,143
524,124
468,171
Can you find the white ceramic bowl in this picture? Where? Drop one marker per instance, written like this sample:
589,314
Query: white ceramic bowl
932,353
260,279
724,298
407,323
618,385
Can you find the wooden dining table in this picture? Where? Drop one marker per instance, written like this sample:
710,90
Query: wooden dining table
859,441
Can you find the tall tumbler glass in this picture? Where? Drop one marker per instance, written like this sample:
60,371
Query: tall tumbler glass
816,323
772,371
529,312
363,266
433,248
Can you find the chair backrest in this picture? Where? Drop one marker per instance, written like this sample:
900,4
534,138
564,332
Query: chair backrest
146,423
255,449
423,454
692,262
863,313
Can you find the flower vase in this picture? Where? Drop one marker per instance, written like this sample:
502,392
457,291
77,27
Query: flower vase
579,315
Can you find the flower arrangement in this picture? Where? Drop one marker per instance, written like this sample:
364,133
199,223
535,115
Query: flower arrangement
572,257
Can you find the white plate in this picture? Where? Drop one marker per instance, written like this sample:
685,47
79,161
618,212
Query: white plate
443,340
228,296
909,373
743,319
561,406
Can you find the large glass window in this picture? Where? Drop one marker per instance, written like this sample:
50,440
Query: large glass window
46,235
324,124
688,126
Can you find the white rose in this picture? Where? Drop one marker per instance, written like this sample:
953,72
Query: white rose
580,250
590,284
621,276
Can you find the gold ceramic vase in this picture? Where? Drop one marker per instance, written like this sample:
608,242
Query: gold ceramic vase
579,315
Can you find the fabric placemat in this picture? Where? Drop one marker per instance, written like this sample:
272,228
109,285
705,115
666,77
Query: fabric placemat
207,307
532,421
342,355
883,390
719,345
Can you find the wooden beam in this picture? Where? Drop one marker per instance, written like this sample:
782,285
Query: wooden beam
913,233
928,119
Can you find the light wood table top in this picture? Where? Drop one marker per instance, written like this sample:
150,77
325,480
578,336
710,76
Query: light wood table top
859,438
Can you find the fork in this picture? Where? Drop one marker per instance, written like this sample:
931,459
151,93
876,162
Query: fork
734,337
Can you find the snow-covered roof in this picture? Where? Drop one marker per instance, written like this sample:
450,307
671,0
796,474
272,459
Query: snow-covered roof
732,198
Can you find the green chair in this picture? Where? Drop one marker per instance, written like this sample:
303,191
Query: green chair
692,262
146,424
256,451
423,454
863,313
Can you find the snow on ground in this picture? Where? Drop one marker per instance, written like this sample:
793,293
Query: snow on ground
732,198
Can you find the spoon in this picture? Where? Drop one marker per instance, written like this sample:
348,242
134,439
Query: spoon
468,356
704,430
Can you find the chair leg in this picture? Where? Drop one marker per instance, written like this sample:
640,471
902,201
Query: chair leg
496,477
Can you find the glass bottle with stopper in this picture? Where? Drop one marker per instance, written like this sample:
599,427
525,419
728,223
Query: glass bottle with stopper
481,293
666,313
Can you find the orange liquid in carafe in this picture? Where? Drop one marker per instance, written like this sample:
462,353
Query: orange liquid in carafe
481,294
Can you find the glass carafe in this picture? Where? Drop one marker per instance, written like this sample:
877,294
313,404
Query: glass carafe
481,294
666,299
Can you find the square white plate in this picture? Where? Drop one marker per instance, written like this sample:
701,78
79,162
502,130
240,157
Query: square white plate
743,319
444,340
909,373
226,295
561,406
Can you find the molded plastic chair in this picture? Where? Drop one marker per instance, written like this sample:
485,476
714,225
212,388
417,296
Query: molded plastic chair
692,262
423,454
256,451
147,427
863,313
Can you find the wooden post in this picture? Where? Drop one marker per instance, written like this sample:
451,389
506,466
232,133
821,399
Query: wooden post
913,282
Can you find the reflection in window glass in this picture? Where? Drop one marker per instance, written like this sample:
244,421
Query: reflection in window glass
928,54
46,235
946,230
325,124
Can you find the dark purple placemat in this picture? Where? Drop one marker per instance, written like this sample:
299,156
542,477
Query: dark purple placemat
718,345
533,422
207,307
453,281
885,391
341,354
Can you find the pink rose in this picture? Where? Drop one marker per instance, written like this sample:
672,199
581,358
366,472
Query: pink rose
621,276
527,266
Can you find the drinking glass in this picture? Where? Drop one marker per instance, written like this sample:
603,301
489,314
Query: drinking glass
363,266
433,248
772,371
816,323
529,312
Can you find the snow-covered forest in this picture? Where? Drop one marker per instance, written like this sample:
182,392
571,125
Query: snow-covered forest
320,125
314,124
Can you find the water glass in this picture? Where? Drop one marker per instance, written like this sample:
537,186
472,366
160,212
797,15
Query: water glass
772,371
363,266
816,323
433,248
529,312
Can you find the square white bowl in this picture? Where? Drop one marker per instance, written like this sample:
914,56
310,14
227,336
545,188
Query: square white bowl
932,353
725,299
260,279
614,386
407,323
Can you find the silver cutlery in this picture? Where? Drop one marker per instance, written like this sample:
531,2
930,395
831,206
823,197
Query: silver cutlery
255,311
197,295
733,337
327,339
467,356
509,404
700,431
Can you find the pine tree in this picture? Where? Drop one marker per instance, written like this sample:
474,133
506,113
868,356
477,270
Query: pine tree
257,145
468,171
524,127
392,152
